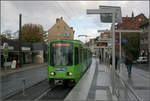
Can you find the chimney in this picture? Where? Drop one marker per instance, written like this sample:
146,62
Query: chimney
57,20
132,14
71,28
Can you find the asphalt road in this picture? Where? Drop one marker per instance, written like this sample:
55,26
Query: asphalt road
32,92
42,91
14,82
139,81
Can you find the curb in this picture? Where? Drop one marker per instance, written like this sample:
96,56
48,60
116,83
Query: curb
23,69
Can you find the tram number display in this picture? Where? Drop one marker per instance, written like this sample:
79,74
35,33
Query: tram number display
61,69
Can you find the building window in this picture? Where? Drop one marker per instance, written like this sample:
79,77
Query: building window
134,25
81,52
64,27
85,54
58,27
66,34
58,34
140,19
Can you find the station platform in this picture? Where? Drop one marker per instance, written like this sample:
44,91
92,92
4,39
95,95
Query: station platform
102,83
94,85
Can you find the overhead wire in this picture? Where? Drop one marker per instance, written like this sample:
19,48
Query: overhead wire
70,20
62,10
72,10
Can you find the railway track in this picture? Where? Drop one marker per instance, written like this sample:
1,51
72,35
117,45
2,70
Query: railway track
57,93
42,91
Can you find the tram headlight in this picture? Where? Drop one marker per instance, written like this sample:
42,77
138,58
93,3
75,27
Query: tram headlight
69,73
52,73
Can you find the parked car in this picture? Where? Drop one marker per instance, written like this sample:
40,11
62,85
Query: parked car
142,60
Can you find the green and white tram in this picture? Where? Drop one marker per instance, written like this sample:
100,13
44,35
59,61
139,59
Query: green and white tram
67,61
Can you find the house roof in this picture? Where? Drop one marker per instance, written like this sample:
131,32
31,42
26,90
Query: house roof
132,22
144,24
61,19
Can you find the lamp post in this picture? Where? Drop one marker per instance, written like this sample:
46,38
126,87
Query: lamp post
20,36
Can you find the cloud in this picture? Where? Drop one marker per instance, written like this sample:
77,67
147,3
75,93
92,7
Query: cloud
73,12
9,16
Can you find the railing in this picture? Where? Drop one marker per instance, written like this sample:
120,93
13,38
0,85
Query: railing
123,90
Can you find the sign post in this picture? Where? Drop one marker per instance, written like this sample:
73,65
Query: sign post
114,13
5,53
113,53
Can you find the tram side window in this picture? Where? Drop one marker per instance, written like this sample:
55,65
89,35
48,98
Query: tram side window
76,56
81,55
85,54
51,57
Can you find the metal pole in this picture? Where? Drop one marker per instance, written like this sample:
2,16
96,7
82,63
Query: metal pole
23,88
104,55
20,56
113,52
120,51
5,63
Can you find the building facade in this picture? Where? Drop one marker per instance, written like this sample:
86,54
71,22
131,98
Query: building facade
130,23
145,39
105,46
60,30
29,52
91,45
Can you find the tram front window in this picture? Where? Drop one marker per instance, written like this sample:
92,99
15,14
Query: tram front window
61,54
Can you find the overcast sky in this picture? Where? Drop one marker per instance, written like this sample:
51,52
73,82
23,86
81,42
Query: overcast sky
73,12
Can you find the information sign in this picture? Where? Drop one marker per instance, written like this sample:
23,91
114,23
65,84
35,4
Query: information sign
107,17
125,40
5,50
